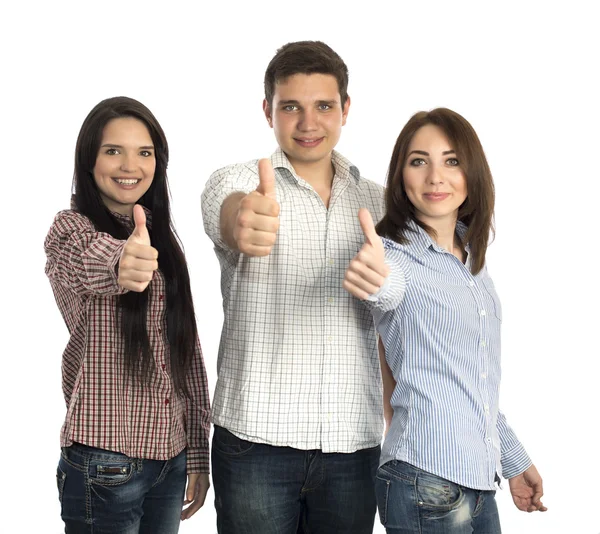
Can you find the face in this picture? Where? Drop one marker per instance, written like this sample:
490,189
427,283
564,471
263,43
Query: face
433,178
307,117
125,164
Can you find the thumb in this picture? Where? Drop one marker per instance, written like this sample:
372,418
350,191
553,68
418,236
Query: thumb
368,227
190,493
140,231
266,176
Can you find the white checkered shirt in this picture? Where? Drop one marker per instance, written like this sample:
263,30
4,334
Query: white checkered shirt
298,362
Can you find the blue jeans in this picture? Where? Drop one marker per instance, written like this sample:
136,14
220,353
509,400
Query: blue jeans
107,492
412,501
261,489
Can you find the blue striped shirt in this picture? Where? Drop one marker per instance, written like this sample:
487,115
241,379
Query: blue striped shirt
440,326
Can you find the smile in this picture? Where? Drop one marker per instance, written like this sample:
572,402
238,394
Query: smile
436,196
127,181
308,142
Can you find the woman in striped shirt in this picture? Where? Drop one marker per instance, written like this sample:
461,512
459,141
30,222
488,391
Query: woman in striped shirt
134,381
439,318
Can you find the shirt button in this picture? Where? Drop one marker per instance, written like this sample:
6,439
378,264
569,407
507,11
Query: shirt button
159,330
330,300
482,312
482,343
330,261
329,339
483,375
489,440
486,408
163,366
166,401
160,297
471,283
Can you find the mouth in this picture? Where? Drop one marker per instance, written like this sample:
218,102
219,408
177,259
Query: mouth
308,142
436,196
127,181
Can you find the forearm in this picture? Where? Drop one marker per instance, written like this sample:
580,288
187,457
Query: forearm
197,415
228,218
389,384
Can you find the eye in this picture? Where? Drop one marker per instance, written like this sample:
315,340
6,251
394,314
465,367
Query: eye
324,107
112,152
453,162
146,153
417,162
290,107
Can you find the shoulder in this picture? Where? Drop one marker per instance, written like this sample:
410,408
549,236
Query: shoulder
239,169
71,220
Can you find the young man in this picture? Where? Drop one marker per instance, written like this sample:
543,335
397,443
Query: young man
298,402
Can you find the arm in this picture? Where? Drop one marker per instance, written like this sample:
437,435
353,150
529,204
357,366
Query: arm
389,384
376,274
198,432
526,486
80,258
241,221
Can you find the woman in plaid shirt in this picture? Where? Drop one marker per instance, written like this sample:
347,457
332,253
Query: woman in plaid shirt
134,381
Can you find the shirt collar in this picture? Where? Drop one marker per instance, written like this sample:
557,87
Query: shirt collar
343,167
419,240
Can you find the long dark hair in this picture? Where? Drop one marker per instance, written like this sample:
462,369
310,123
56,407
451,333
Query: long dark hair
476,212
133,306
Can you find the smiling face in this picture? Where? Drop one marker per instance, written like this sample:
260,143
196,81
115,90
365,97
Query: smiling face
125,164
433,178
307,117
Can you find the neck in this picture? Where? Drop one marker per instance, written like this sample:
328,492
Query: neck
318,174
445,231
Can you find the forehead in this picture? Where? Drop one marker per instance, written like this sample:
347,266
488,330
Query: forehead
307,88
126,128
430,136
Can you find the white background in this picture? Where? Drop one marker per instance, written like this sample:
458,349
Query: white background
525,75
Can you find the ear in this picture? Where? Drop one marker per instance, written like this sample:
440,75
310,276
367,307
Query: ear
345,110
267,112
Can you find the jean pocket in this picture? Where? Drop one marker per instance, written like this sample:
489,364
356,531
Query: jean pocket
435,494
382,493
105,473
61,476
227,443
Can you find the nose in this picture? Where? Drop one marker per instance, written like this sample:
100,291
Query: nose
435,176
128,163
309,120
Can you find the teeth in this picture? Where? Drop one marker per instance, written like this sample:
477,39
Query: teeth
127,182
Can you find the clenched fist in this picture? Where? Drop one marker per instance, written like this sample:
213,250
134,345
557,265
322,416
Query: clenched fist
138,259
257,219
367,270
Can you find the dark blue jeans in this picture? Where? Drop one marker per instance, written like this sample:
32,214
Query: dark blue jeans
110,493
261,489
412,501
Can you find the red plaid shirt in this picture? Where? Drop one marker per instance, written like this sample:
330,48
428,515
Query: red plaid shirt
106,408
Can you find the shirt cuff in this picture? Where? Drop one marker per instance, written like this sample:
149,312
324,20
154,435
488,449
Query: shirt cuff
198,461
515,462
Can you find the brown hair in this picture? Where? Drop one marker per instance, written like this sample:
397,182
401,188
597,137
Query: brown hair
476,212
305,57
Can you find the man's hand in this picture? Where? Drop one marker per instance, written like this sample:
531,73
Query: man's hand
257,218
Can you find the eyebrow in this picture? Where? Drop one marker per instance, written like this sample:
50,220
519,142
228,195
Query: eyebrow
423,153
110,145
296,103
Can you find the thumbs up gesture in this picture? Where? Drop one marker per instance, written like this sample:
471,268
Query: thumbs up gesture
367,270
257,221
138,259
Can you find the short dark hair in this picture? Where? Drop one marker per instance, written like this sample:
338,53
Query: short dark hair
476,212
305,57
